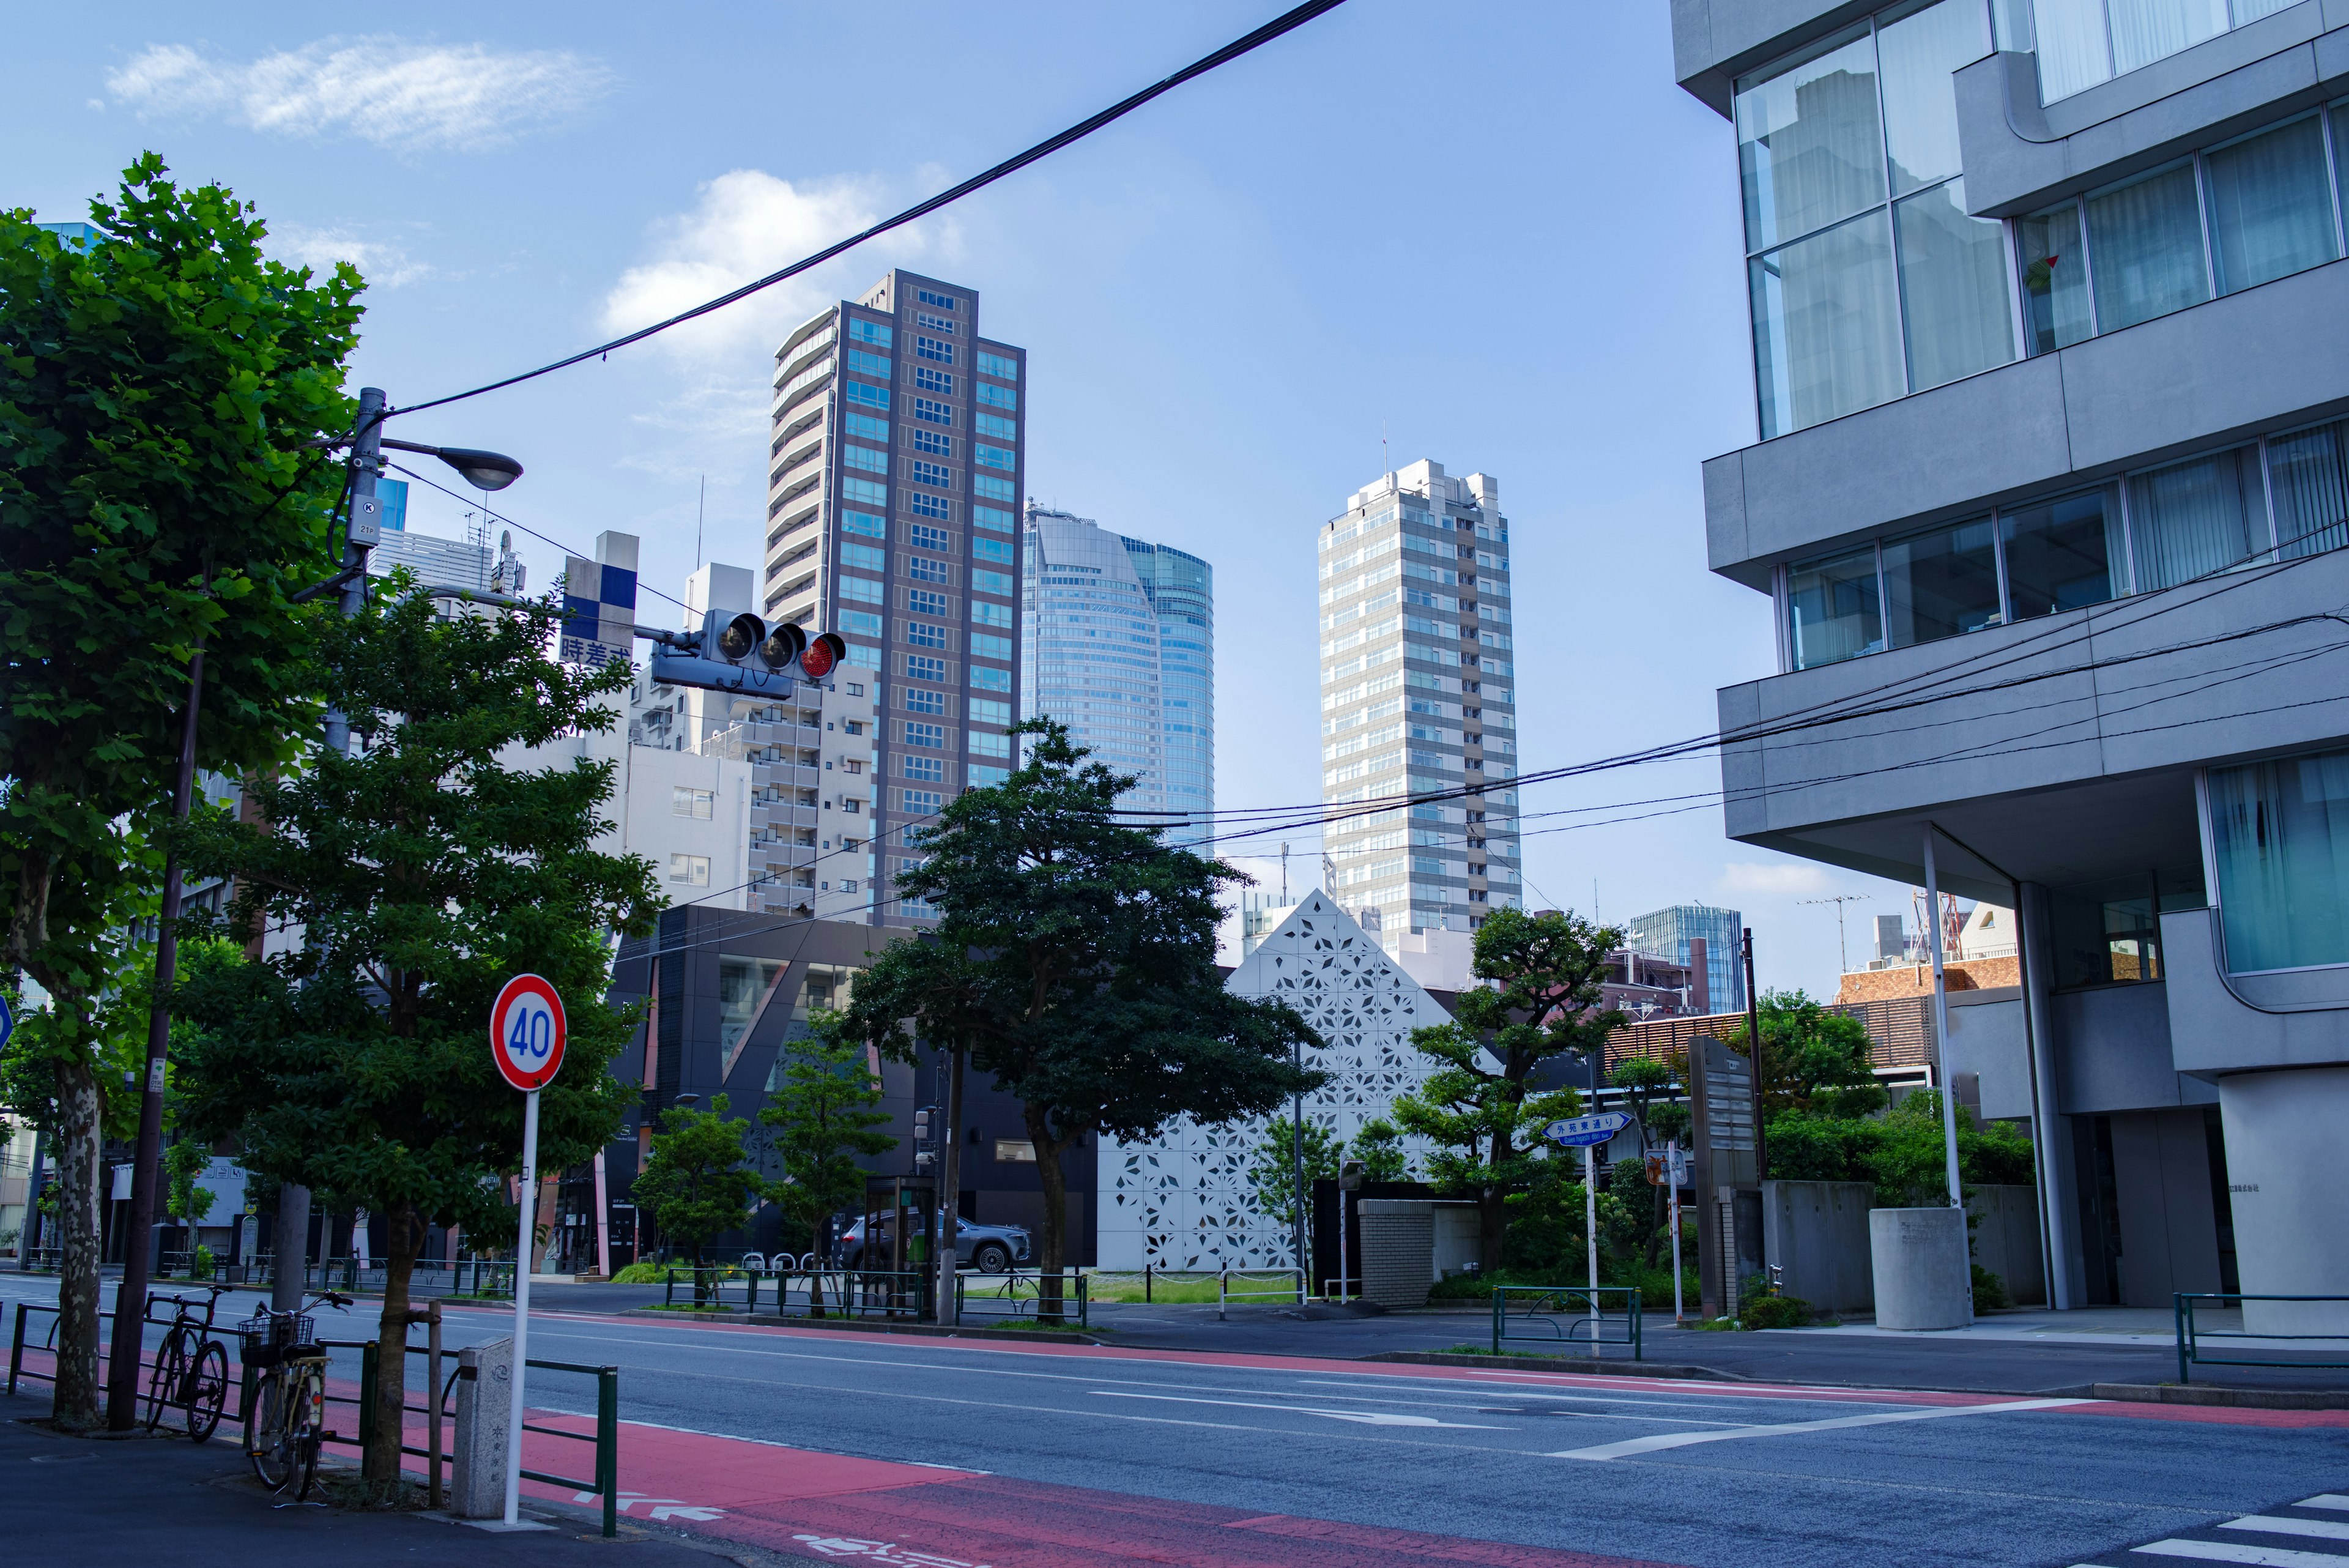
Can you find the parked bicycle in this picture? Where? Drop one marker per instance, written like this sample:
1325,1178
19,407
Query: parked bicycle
190,1376
286,1419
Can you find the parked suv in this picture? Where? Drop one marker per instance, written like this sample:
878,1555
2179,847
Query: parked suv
990,1249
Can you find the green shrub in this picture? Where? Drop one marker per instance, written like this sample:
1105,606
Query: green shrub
1774,1311
641,1274
200,1263
1989,1291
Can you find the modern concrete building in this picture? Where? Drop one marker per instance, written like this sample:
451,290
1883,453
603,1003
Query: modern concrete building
896,460
1708,938
1419,697
1117,642
2051,339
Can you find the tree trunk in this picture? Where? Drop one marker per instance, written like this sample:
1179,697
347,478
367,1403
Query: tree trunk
379,1466
77,1141
1056,1204
1492,1211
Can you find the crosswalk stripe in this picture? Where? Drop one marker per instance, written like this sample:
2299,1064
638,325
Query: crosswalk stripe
2324,1500
2276,1524
2242,1551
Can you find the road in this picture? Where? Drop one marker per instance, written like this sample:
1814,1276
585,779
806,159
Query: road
834,1444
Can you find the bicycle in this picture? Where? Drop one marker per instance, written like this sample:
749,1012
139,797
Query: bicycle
190,1373
287,1420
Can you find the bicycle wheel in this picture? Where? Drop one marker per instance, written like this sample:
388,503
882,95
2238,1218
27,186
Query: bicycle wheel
269,1434
309,1428
164,1382
206,1387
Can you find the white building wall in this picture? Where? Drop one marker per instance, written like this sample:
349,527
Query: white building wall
1183,1200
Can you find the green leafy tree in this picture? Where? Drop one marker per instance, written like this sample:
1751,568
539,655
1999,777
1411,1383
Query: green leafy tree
695,1185
1902,1153
823,1116
1378,1146
1811,1059
184,1197
165,394
1272,1169
1650,1088
1479,1106
1078,958
425,868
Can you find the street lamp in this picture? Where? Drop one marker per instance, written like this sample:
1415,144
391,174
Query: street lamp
483,470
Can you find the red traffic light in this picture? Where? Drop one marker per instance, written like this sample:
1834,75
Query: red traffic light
822,656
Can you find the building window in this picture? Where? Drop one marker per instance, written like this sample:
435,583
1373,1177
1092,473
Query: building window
931,735
987,582
917,802
992,550
864,556
934,323
866,458
923,569
852,804
922,503
1015,1151
1834,611
865,491
993,489
922,667
981,775
931,381
871,396
997,366
1002,398
685,801
865,425
925,769
863,591
932,412
993,517
691,870
1943,583
864,522
2083,42
984,745
922,601
922,634
984,645
983,679
997,426
865,364
2280,839
932,442
929,473
872,332
860,622
985,711
1867,279
2065,553
2308,477
986,614
943,301
2191,519
928,538
993,456
925,699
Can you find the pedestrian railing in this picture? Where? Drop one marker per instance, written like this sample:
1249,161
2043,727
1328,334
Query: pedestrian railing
604,1484
2201,1344
161,1314
799,1290
1018,1297
1577,1315
1226,1295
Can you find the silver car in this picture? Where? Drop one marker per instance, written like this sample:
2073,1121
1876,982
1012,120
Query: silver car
990,1249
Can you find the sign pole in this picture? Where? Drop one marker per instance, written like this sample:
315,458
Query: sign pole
1590,1235
522,1304
1672,1186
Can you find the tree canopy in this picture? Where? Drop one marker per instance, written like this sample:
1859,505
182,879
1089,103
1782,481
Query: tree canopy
1811,1059
822,1115
694,1185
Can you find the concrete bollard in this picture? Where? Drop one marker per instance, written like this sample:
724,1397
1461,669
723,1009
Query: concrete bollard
1923,1274
484,1374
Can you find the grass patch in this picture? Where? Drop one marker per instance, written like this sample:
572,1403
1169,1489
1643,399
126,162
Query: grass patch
688,1306
1487,1351
1186,1288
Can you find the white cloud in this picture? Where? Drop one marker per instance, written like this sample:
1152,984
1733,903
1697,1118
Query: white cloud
410,95
747,223
382,263
1774,876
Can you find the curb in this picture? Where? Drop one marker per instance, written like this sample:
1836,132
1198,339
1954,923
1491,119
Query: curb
858,1325
2230,1398
1576,1363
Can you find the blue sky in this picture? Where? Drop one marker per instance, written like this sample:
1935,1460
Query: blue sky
1496,234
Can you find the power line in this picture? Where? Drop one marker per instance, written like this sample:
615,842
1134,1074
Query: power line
1289,21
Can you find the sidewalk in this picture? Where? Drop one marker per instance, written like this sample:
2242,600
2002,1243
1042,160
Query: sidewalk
135,1502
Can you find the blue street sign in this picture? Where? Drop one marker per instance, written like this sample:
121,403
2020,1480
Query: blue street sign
1588,1132
8,1021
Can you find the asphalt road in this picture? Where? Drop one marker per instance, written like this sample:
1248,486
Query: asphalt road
1071,1439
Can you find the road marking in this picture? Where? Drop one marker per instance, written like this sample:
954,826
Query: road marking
1630,1446
1367,1417
2325,1500
2238,1552
2276,1524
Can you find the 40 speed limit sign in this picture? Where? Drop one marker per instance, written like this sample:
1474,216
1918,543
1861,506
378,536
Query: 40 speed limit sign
527,1032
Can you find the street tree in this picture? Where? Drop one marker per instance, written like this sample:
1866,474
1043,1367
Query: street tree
824,1114
695,1184
424,869
1082,958
167,393
1813,1060
1542,1001
1272,1167
1653,1096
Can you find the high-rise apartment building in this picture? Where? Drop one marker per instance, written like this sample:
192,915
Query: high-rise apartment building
2051,354
1419,697
1118,643
1702,936
896,462
1181,588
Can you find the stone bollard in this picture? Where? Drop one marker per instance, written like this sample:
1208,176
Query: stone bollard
485,1376
1924,1278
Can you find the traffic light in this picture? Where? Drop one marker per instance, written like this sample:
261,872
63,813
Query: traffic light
743,654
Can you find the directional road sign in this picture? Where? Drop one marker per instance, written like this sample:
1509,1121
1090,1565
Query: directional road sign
527,1033
1586,1132
8,1021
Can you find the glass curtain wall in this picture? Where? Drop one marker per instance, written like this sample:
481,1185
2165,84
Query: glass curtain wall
1867,279
2083,42
2234,216
2155,529
2280,836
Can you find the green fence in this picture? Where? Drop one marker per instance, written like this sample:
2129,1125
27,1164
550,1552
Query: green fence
1567,1315
1017,1297
2194,1339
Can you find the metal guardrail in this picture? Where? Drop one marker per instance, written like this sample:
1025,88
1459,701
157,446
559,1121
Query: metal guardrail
843,1293
1225,1294
1018,1296
1566,1313
2191,1335
18,1336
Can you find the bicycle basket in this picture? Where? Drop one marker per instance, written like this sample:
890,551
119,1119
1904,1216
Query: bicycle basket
267,1339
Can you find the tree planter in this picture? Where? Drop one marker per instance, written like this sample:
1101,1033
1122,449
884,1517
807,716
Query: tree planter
1923,1277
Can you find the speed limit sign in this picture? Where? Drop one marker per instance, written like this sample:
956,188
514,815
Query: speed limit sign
526,1032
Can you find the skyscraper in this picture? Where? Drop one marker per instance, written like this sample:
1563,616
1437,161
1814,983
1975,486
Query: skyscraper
896,462
1684,932
1418,695
1182,591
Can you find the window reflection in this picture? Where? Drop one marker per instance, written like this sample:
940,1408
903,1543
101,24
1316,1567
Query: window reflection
1833,608
1940,584
2055,278
2065,553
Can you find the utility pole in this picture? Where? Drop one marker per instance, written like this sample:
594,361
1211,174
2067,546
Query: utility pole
1843,957
1754,1056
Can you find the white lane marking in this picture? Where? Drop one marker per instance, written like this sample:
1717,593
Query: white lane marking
2325,1500
1367,1417
1692,1385
2276,1524
2241,1551
1682,1440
